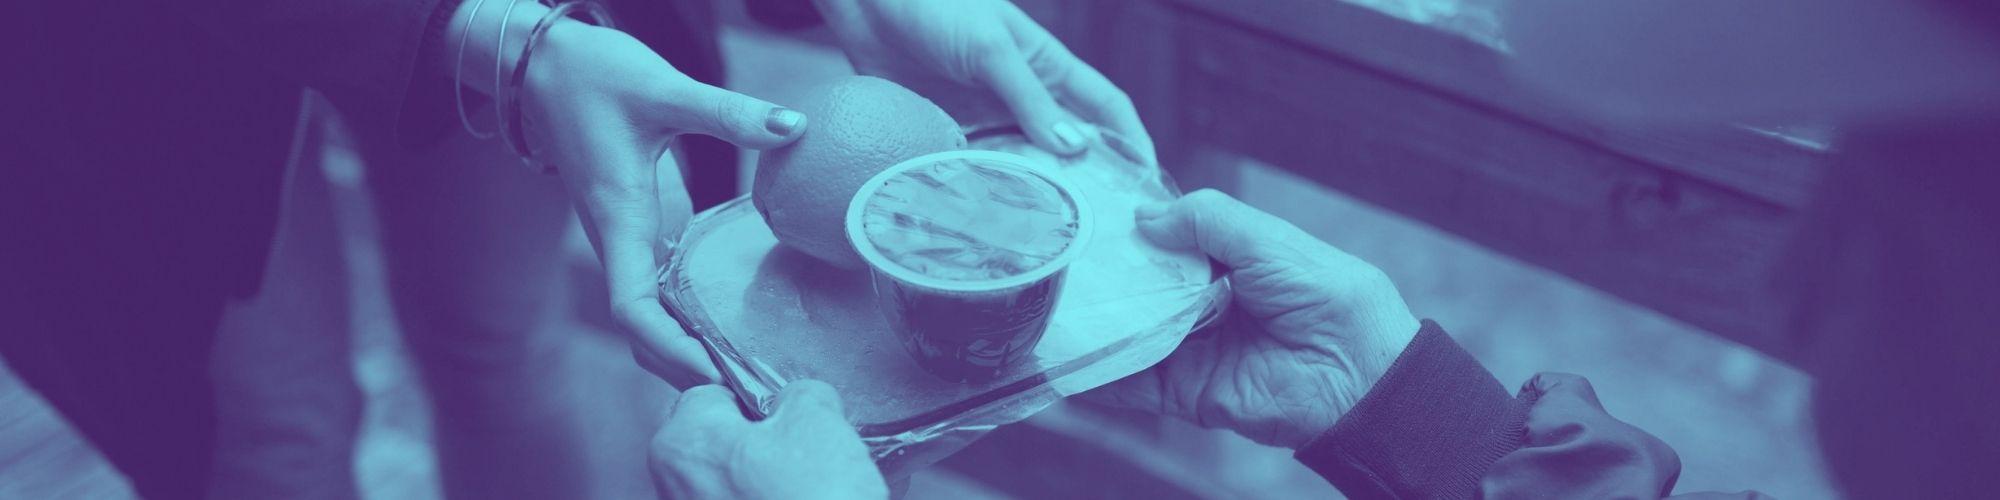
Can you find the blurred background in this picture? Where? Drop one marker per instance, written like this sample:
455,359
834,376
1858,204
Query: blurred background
1544,241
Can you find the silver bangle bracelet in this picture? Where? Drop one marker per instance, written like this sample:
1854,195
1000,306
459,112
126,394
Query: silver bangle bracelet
458,75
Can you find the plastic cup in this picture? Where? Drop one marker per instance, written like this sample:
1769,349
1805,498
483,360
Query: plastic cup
978,295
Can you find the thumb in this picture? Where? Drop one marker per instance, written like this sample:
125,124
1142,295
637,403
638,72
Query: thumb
811,396
813,410
1222,227
1045,122
740,119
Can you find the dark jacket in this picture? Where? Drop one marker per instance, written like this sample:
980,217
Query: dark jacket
146,140
1438,425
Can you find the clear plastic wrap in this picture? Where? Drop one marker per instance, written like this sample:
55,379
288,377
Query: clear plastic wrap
770,315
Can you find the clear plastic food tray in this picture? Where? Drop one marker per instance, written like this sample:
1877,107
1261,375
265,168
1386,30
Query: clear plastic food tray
770,315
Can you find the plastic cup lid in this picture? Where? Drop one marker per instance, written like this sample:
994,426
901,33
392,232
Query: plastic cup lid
1012,163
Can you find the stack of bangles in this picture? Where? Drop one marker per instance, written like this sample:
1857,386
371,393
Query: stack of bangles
507,95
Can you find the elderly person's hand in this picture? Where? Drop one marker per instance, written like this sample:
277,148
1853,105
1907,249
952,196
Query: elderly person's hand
602,107
989,48
1312,328
806,449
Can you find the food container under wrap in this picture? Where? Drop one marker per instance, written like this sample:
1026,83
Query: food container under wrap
769,315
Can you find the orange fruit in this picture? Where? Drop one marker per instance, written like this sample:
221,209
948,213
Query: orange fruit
857,126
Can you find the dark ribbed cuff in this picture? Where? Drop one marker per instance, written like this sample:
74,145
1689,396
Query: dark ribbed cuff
1429,429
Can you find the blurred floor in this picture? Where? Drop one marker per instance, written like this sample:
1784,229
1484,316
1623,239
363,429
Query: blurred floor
1738,419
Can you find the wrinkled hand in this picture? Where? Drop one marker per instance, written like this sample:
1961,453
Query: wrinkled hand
1311,331
806,449
986,47
602,107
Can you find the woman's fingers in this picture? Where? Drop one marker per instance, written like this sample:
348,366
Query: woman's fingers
1101,102
1076,88
621,212
658,342
699,108
1010,75
628,243
681,361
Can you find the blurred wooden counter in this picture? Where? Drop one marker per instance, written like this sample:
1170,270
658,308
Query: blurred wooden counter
1412,110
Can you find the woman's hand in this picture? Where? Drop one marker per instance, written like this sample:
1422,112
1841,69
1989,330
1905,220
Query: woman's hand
806,449
986,48
602,108
1311,331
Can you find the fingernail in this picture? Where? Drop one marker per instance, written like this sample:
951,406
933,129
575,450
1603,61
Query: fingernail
1068,135
784,121
1151,210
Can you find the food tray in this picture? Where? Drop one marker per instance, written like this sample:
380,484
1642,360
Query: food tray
770,315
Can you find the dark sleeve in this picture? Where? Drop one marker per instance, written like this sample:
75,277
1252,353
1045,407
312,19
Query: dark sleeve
1438,425
381,61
